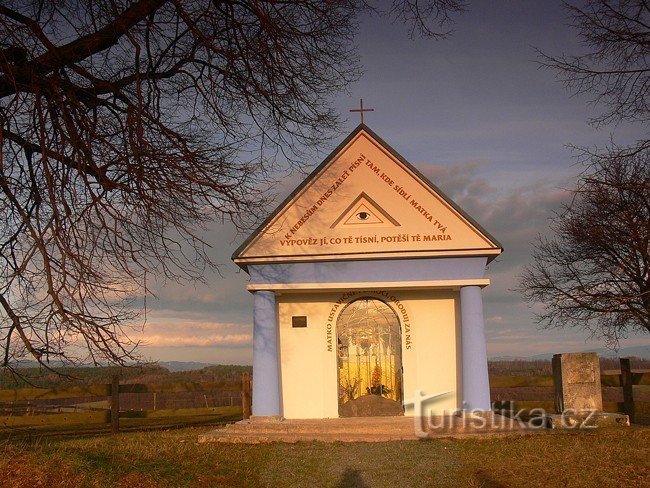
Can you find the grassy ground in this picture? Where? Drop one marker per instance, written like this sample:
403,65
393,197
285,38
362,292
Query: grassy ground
174,459
163,419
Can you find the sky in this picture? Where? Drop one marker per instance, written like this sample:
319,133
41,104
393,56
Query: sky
477,115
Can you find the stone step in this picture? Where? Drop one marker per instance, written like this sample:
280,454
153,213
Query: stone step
256,438
364,432
367,429
284,427
339,430
400,426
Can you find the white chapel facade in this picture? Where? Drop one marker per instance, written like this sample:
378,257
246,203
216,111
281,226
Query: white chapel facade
367,287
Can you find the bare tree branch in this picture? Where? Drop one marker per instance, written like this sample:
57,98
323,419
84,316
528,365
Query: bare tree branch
615,69
127,126
594,273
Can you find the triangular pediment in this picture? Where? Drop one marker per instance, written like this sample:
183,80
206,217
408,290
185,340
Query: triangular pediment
365,201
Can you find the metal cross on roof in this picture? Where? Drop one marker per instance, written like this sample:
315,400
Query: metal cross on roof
361,110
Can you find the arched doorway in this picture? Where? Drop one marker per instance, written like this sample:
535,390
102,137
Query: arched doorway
369,359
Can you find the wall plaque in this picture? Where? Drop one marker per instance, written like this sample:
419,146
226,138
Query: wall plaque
299,321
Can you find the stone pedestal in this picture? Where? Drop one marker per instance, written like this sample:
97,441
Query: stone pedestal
587,420
363,429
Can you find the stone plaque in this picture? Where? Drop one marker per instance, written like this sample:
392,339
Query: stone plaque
580,371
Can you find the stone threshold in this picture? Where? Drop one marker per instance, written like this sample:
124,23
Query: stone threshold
364,429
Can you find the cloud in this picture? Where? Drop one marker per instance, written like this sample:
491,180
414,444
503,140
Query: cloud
178,328
495,319
515,214
235,340
164,317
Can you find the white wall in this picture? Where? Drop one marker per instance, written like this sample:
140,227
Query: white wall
309,371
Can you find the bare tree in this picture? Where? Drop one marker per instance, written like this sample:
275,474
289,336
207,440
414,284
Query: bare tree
594,273
127,126
614,68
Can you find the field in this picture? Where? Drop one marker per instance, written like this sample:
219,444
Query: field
87,456
153,396
208,397
173,458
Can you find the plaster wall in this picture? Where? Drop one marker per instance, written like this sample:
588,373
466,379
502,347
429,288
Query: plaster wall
430,325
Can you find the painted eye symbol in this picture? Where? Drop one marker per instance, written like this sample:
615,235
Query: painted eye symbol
363,215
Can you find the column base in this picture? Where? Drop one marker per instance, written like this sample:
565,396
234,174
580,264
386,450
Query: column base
265,419
477,414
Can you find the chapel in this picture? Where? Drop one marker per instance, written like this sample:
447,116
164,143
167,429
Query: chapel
367,286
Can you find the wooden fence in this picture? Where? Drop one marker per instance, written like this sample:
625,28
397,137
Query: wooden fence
107,409
626,379
37,409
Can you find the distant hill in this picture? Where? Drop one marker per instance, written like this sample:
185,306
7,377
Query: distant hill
172,366
635,351
175,366
153,373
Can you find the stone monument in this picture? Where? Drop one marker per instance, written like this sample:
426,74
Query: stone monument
576,382
578,395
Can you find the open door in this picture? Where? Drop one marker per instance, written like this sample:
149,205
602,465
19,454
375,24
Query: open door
369,359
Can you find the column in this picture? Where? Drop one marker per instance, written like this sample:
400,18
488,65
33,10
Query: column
266,377
476,385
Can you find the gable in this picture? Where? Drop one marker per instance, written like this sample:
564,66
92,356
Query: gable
362,202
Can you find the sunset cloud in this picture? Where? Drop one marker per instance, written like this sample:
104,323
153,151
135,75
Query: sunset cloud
179,328
235,340
495,319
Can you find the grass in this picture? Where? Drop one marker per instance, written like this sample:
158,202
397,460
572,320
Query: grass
160,419
173,458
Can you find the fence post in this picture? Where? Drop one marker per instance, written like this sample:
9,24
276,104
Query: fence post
115,404
628,391
246,395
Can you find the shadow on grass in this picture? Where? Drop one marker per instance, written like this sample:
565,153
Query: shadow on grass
101,462
487,481
351,479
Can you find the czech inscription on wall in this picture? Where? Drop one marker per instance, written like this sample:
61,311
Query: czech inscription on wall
348,296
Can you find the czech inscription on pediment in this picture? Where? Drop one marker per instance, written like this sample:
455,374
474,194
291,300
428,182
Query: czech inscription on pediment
365,201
